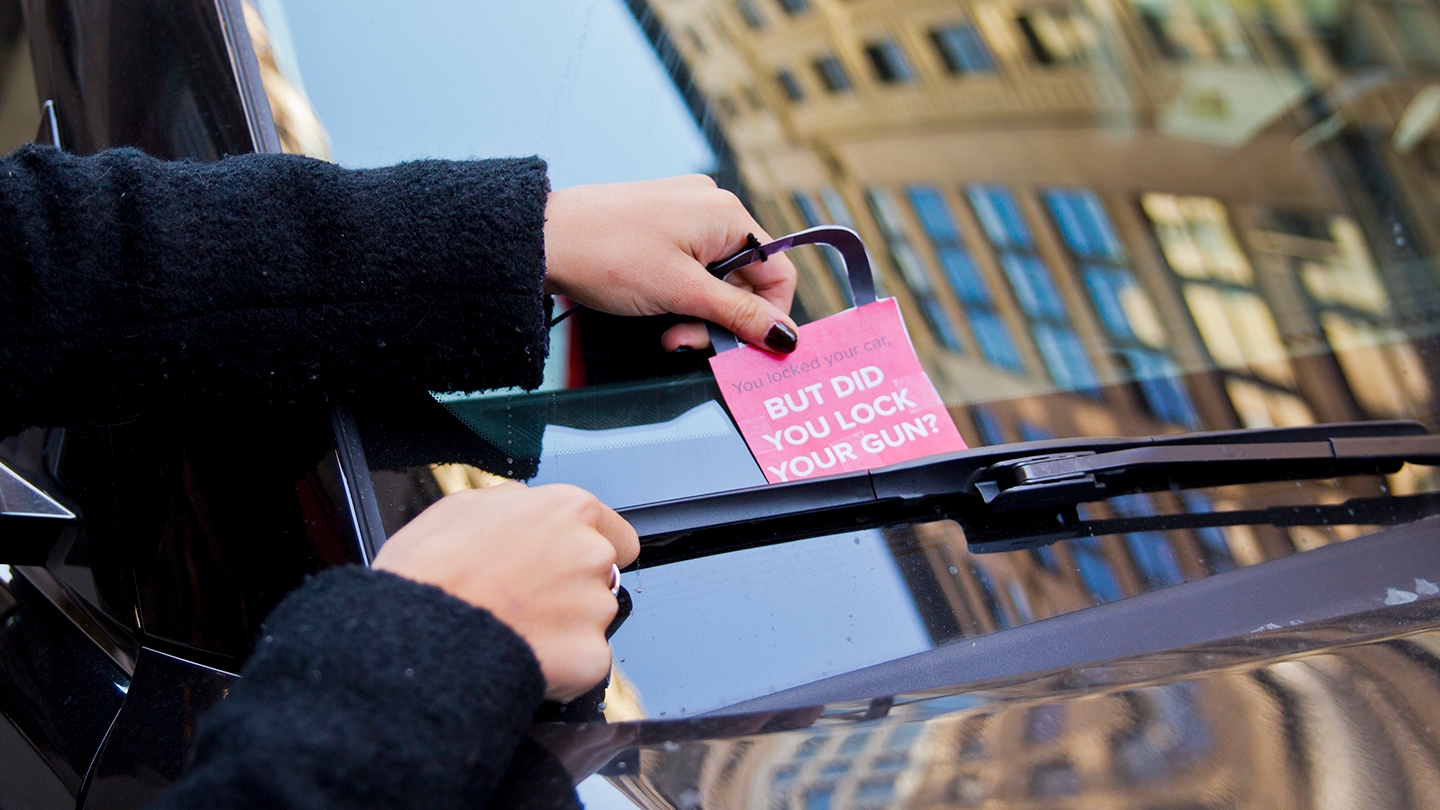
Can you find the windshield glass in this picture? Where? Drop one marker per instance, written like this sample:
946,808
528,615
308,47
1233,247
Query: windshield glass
1103,218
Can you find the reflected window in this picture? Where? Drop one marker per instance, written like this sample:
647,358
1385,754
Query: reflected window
875,790
1151,550
1235,323
832,74
1132,325
1412,31
912,268
1021,600
1168,733
835,770
992,598
1195,30
1031,432
820,798
988,424
1217,547
889,62
1331,260
991,332
890,762
1059,34
695,40
1054,779
854,744
810,747
840,215
750,14
1065,357
962,49
811,216
1046,557
790,85
903,737
834,211
1095,570
752,98
835,205
1045,722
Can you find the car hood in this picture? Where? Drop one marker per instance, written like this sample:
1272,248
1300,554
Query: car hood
1339,712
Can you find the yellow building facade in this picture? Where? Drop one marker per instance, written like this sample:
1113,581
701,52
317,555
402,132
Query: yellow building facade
1102,217
1338,729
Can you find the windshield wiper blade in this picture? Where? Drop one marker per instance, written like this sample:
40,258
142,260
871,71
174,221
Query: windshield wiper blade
1022,495
1375,511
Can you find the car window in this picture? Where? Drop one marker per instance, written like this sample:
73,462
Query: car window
1125,218
19,102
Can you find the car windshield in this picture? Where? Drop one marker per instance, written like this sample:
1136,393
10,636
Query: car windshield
1109,218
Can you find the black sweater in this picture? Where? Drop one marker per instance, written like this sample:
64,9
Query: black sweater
128,284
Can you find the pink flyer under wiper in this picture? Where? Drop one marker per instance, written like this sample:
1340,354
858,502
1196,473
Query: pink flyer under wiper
853,396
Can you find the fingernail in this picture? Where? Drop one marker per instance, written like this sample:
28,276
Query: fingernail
781,338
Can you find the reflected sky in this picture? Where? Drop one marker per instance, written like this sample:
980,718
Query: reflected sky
571,80
711,632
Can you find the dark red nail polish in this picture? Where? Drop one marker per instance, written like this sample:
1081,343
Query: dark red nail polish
781,338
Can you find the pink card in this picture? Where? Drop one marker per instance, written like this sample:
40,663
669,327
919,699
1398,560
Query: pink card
852,397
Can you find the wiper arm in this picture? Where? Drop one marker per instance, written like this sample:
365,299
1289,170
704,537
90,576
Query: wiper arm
1022,495
1071,478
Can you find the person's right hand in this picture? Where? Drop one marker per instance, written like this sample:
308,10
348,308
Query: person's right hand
641,249
538,559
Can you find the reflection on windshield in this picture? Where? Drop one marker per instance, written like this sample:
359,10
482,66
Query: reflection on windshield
721,630
296,123
1102,218
1183,215
1209,726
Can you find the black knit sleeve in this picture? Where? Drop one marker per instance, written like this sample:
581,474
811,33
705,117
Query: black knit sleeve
368,690
128,282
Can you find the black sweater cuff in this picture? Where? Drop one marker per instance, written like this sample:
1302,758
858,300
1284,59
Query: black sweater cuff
130,283
367,690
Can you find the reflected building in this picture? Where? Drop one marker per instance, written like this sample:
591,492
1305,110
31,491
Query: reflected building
297,124
1344,728
1102,217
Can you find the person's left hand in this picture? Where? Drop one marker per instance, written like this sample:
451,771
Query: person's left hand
641,249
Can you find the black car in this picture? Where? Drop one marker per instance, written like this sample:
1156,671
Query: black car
1170,264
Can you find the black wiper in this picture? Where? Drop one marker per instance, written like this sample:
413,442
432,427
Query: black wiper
1024,495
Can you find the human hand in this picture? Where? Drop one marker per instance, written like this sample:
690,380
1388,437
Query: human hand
538,559
641,249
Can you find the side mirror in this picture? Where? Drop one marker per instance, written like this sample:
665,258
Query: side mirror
30,521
